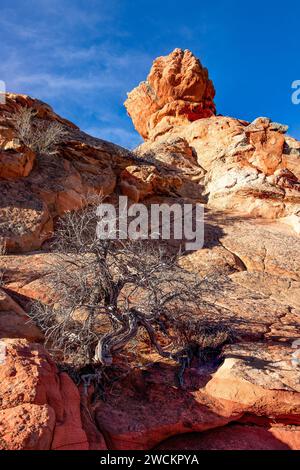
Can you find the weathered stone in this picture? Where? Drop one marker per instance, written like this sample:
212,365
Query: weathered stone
39,407
177,91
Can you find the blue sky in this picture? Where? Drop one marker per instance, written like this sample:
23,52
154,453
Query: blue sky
82,57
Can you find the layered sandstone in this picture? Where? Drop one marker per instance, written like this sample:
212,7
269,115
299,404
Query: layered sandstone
247,175
176,91
246,168
35,189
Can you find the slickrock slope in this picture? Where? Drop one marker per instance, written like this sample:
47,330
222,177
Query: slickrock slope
14,321
36,189
248,168
257,294
251,168
247,175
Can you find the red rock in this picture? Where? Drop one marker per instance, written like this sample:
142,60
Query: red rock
69,434
238,437
254,380
26,427
30,385
138,416
249,381
46,186
268,152
247,174
29,279
177,91
239,165
16,162
138,182
27,224
14,323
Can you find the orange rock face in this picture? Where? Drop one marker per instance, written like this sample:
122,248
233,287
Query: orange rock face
177,91
247,175
138,182
242,167
46,186
14,322
138,416
26,427
238,437
15,162
39,407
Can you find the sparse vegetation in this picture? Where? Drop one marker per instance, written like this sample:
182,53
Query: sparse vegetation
38,134
111,291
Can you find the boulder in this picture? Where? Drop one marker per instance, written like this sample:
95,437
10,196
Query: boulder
39,407
14,322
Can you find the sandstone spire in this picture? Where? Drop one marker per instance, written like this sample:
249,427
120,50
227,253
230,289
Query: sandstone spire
177,90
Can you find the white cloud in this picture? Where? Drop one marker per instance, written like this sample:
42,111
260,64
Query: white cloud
63,83
73,58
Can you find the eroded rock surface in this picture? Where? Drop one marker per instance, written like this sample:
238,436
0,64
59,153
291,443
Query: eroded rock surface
238,437
252,169
247,175
256,293
14,322
39,407
248,167
177,91
35,189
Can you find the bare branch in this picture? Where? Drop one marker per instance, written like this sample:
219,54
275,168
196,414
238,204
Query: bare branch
40,135
111,290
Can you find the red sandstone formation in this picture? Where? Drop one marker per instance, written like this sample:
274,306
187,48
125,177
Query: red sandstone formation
177,91
48,187
247,174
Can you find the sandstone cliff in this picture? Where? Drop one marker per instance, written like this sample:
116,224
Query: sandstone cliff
247,175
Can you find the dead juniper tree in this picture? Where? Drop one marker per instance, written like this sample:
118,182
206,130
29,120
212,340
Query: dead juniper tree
110,290
38,134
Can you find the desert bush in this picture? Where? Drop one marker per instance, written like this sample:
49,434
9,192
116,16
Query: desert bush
40,135
111,290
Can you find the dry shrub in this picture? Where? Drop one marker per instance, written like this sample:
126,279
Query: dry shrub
111,291
39,135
